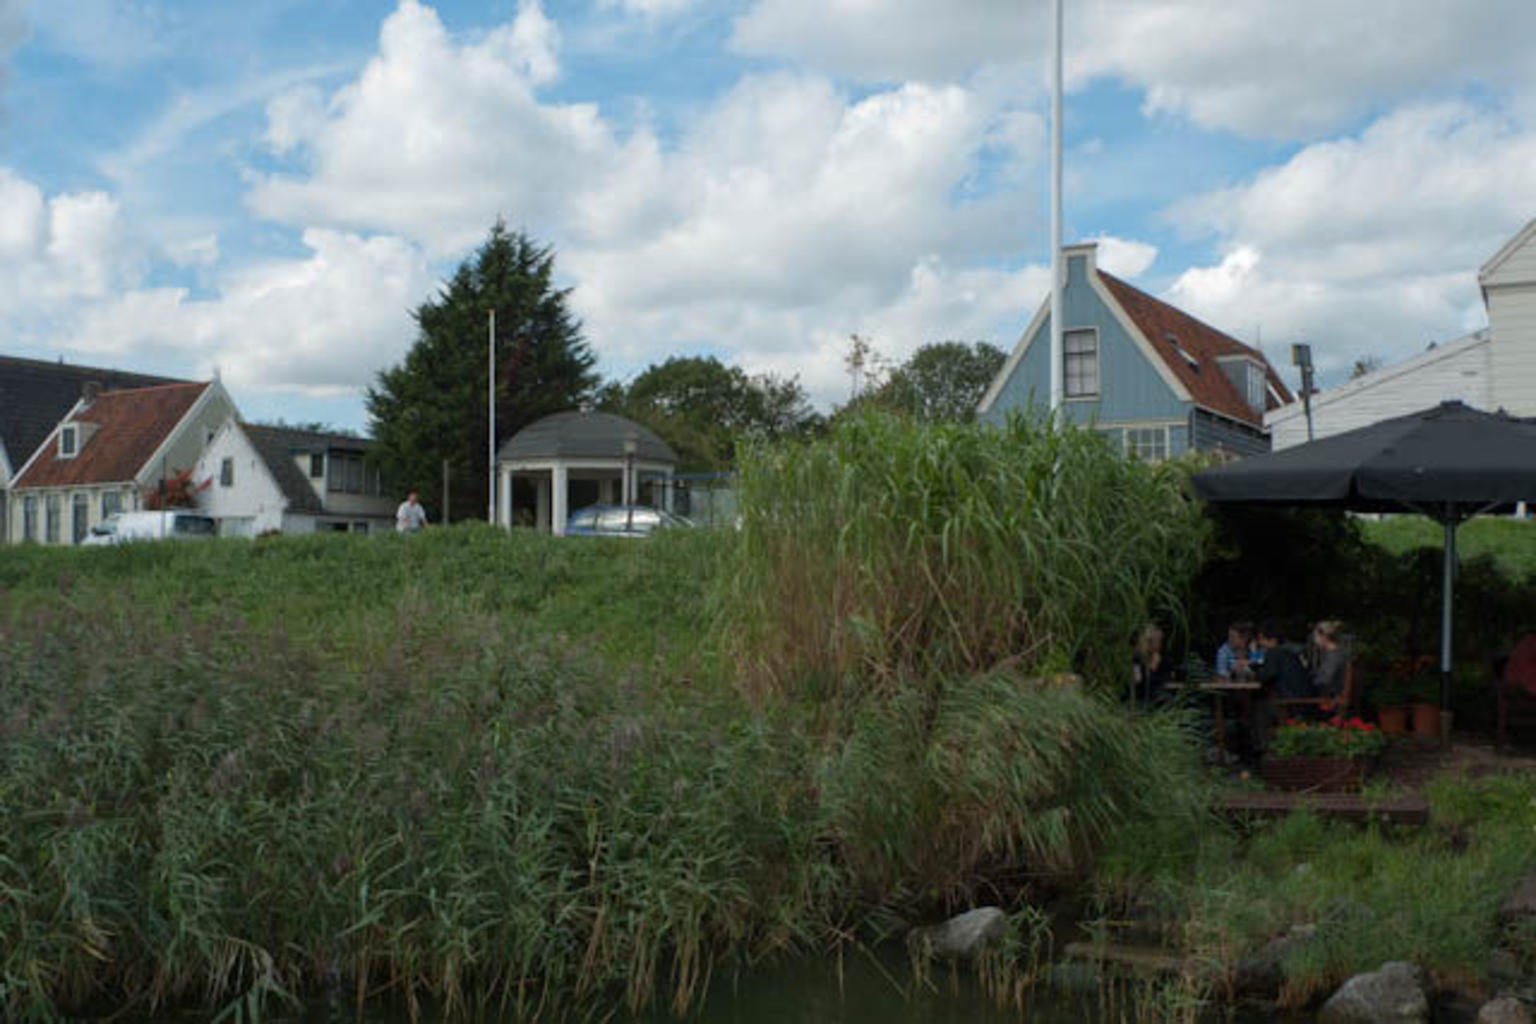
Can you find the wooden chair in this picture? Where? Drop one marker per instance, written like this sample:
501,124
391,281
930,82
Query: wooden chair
1516,701
1343,704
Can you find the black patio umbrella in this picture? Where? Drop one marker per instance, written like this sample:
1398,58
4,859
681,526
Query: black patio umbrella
1449,462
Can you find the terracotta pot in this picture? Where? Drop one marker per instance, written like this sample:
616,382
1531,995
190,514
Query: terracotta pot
1426,720
1393,720
1313,774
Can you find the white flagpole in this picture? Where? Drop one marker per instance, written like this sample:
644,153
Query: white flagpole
490,514
1057,357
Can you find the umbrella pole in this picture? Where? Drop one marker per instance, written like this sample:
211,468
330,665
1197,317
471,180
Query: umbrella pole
1447,587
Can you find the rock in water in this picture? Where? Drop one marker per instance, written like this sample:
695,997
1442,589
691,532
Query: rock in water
962,935
1504,1011
1395,993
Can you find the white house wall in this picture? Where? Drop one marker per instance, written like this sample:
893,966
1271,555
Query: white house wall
185,445
1458,370
1512,319
17,502
253,504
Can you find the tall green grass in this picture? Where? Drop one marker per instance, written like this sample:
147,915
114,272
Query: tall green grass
486,774
897,550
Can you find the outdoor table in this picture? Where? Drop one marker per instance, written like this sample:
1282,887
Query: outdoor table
1220,689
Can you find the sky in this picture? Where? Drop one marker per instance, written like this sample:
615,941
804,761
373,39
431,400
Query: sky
265,190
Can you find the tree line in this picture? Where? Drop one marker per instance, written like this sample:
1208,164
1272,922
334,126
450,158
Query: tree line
430,411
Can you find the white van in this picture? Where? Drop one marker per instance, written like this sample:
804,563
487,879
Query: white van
171,524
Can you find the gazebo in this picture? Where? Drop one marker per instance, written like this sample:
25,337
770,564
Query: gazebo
578,458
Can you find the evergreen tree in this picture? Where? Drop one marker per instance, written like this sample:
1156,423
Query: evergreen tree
432,407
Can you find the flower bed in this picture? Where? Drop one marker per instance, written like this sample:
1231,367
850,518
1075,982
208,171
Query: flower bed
1321,757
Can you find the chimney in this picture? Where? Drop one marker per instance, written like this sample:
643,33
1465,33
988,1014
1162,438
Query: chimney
90,391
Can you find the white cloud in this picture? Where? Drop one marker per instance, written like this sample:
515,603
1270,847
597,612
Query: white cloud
435,139
1125,257
1367,244
319,325
113,34
1284,68
650,8
784,215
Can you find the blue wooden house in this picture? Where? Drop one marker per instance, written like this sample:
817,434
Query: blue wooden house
1152,377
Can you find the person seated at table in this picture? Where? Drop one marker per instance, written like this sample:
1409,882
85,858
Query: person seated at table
1330,659
1236,658
1282,673
1150,670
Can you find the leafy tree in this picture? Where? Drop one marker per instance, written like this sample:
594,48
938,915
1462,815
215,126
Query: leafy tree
941,381
705,408
432,407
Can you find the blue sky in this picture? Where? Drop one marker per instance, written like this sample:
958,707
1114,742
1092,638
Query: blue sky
266,189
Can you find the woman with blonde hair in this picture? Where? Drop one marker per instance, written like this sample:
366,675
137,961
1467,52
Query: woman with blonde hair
1149,668
1330,659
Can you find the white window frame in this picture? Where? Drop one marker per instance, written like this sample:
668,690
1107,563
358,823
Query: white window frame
1098,377
71,433
1132,447
227,472
1257,386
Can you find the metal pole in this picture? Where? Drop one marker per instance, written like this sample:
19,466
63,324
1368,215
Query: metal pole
1447,585
1306,396
1057,356
490,442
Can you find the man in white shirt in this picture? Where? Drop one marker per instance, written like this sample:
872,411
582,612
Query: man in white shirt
410,517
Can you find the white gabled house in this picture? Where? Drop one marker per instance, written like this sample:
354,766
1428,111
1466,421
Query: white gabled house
108,453
259,480
1494,368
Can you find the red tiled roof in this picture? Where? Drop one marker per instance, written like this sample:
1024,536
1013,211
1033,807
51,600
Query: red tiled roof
130,426
1207,385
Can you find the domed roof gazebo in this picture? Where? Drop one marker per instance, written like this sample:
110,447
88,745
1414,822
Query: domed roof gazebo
571,459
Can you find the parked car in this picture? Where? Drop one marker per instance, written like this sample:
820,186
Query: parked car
621,521
171,524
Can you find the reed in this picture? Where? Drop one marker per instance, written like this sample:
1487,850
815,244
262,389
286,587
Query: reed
895,550
502,776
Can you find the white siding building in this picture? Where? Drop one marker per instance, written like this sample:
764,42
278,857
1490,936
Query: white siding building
1494,368
279,480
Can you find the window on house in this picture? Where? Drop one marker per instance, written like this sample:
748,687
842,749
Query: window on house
111,504
348,473
1080,354
227,473
53,514
29,519
316,465
79,518
1256,385
1149,444
69,439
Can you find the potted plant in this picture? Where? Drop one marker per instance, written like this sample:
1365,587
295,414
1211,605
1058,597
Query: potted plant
1425,698
1321,757
1390,696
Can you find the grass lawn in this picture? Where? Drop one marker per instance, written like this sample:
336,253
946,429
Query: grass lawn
1511,541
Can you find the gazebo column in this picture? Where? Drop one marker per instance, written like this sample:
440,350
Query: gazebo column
562,496
541,514
669,492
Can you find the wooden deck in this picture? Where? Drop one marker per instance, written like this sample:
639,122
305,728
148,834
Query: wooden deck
1408,809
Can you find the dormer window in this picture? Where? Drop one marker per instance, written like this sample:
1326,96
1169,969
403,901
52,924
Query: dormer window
69,442
1256,386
